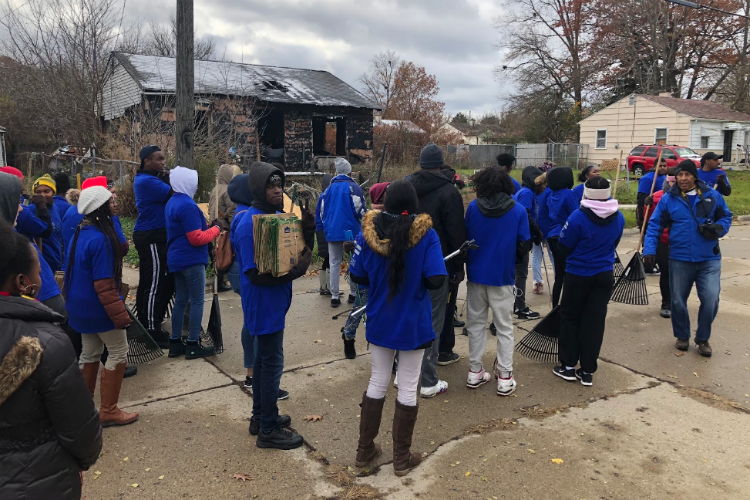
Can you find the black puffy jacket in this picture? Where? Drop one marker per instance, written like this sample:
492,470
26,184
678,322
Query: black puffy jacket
49,427
439,198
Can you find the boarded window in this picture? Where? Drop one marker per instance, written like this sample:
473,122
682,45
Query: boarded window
704,141
601,139
660,136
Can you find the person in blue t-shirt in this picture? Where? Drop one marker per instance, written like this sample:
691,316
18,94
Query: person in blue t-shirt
399,257
506,161
188,237
527,197
500,228
52,244
713,175
341,210
95,307
155,284
586,174
588,239
644,188
265,301
560,204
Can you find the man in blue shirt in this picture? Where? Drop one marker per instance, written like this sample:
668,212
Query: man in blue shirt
696,216
155,284
506,162
713,175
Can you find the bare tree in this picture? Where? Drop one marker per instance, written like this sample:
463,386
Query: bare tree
380,81
154,39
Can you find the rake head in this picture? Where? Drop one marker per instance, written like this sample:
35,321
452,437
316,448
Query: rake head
540,344
630,286
619,269
141,347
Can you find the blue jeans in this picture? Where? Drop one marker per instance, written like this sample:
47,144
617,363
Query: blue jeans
707,278
190,285
352,322
269,365
233,275
536,262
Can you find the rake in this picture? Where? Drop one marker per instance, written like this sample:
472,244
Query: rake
214,319
619,269
540,344
141,347
206,339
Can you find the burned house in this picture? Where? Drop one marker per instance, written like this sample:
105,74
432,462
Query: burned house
298,117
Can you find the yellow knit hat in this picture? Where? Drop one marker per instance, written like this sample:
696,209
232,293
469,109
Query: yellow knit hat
45,180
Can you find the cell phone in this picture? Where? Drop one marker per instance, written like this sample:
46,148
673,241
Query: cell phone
26,202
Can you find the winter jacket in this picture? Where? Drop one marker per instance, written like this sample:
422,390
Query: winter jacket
320,234
440,199
561,202
649,212
220,205
590,236
542,216
682,217
49,427
52,245
342,208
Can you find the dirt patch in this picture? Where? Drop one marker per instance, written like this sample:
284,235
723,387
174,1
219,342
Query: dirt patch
536,411
496,424
360,492
714,400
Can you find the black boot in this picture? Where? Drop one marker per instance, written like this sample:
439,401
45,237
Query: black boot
349,351
176,348
194,350
284,421
279,438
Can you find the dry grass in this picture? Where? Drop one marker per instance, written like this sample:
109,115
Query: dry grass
360,492
495,424
340,475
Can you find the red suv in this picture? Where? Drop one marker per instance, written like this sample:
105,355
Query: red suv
643,157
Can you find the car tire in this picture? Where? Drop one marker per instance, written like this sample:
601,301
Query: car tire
638,170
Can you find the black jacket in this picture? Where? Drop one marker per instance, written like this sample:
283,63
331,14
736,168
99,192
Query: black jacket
439,198
49,427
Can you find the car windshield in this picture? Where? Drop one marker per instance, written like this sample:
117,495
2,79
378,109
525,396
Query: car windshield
686,153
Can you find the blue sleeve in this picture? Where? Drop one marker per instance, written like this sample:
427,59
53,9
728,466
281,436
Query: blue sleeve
467,219
433,257
191,218
571,233
118,229
653,233
571,205
516,185
725,221
28,224
318,219
100,257
644,185
356,265
578,192
246,246
524,234
525,198
157,190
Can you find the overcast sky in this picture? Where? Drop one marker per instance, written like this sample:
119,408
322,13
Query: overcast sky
452,39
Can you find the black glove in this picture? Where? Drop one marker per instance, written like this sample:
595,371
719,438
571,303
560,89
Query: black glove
304,260
457,277
710,231
722,179
38,199
649,261
308,218
649,200
348,246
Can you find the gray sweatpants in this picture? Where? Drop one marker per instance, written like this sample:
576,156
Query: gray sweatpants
439,300
335,257
480,299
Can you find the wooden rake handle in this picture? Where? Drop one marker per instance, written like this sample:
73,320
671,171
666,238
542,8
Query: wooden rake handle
639,248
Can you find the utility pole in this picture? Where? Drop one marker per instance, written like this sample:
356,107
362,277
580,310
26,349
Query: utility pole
185,84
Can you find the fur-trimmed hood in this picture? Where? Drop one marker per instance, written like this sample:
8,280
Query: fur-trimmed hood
18,364
72,196
381,245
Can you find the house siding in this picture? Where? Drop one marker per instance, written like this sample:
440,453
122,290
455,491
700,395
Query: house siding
120,92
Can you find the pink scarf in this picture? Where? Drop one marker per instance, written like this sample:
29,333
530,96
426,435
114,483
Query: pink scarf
601,209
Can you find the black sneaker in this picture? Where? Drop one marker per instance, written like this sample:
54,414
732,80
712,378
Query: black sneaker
493,329
194,350
280,438
526,313
569,375
335,302
283,395
464,331
457,323
325,292
586,379
130,371
223,287
284,421
349,350
351,298
665,312
248,383
176,348
447,358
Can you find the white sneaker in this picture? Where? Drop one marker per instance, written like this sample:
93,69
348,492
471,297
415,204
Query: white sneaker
395,381
431,392
476,379
506,386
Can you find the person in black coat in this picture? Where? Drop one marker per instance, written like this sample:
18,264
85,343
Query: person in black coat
49,427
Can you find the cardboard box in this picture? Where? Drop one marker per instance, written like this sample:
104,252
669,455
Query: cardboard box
277,246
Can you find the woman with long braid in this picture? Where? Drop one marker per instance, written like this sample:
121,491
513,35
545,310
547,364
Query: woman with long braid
95,308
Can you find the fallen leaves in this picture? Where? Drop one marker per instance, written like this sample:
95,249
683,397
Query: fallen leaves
557,461
530,450
679,354
313,418
468,473
239,476
695,373
134,485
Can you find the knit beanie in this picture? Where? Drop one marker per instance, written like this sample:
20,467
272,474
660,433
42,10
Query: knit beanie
99,180
688,166
343,167
45,180
12,171
92,198
431,156
147,151
62,183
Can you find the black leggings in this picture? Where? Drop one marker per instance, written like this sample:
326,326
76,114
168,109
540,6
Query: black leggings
583,313
559,270
662,259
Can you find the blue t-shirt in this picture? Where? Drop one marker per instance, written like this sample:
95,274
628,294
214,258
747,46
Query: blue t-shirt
151,195
238,215
405,322
184,216
52,246
28,224
264,307
710,177
542,217
93,260
49,286
62,205
560,204
516,185
644,185
494,262
578,192
72,218
528,199
593,244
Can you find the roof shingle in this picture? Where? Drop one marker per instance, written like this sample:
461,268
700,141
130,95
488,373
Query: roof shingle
699,108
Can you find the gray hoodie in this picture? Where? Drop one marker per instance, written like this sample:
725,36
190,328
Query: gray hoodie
10,197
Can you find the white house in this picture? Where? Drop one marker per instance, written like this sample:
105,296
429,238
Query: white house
646,119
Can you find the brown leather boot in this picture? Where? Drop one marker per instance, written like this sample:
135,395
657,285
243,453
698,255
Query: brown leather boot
403,428
369,425
90,371
109,413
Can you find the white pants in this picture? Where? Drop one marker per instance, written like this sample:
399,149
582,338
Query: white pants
409,368
480,299
93,347
335,257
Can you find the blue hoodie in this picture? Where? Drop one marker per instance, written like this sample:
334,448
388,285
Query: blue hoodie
560,204
342,208
590,236
682,215
542,215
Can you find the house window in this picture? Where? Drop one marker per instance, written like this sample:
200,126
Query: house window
660,136
601,139
704,142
